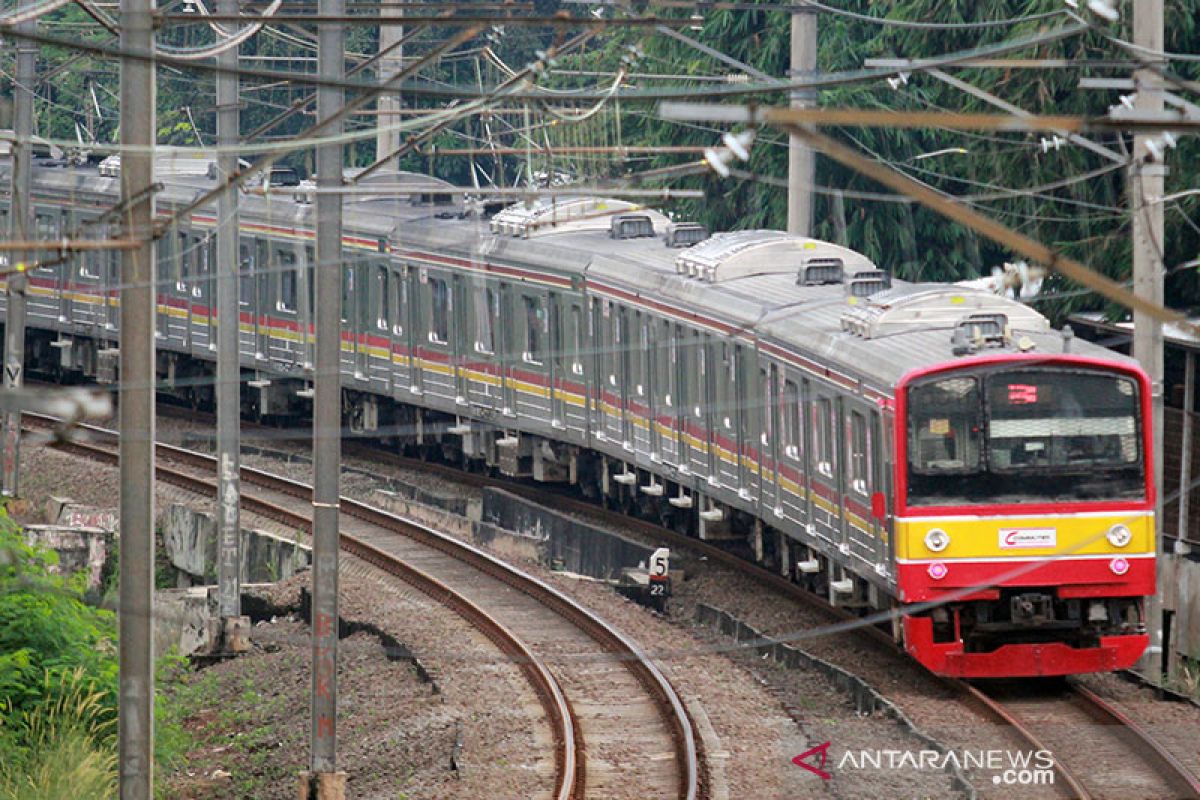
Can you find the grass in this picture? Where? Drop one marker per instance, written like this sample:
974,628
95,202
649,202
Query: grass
70,750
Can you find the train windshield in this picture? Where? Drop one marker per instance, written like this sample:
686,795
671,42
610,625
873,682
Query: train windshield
1029,435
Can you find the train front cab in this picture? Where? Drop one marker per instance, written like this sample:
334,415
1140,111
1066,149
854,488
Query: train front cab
1024,527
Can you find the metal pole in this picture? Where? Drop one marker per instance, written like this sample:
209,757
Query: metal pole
327,418
20,224
802,161
1185,460
229,371
136,700
388,141
1146,180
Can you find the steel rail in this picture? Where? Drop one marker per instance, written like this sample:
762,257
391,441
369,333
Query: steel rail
567,741
1167,762
990,707
689,752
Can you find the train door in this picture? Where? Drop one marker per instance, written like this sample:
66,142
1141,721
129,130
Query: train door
508,352
576,376
714,374
247,297
883,485
306,325
789,455
263,299
379,322
626,392
691,407
841,471
355,310
859,481
772,420
656,390
398,356
112,290
179,304
676,416
827,498
41,300
638,393
202,301
438,378
89,302
483,376
664,415
287,345
460,346
749,391
728,421
557,361
610,392
416,329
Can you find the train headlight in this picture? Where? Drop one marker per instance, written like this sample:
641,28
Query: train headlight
937,540
1119,535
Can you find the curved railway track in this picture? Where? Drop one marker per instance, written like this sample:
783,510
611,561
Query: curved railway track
578,688
1145,768
1099,751
1141,766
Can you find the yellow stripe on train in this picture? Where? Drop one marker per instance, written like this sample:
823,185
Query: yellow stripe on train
1024,536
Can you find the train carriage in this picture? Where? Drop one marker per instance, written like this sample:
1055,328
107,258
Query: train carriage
933,449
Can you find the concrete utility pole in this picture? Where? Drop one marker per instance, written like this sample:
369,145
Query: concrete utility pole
231,633
1146,181
324,781
388,141
20,227
136,700
802,161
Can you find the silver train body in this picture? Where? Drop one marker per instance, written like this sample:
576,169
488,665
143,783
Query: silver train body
742,387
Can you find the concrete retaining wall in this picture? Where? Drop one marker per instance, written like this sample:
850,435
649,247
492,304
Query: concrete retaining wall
78,549
559,539
190,540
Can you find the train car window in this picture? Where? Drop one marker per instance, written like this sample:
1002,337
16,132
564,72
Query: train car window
769,378
245,273
310,278
604,342
678,356
439,322
554,325
944,424
487,311
399,302
287,281
204,256
750,412
89,266
46,225
380,298
636,347
860,456
183,256
535,330
730,382
576,340
792,446
822,411
347,291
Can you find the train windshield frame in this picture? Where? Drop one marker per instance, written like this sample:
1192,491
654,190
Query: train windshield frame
1025,434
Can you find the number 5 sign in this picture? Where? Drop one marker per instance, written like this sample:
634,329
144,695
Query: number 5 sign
660,563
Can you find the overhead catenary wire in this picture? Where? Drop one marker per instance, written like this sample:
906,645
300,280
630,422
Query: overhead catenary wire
827,80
